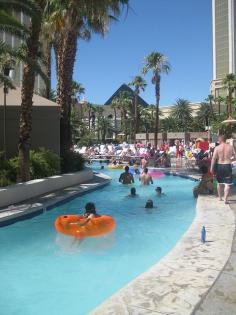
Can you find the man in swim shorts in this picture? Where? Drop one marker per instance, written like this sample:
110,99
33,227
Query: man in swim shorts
145,178
221,166
126,178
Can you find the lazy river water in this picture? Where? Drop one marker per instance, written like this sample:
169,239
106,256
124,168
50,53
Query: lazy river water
43,272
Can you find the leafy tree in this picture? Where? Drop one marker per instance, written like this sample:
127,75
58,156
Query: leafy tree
169,124
157,63
75,20
220,100
230,84
205,115
30,53
124,104
211,99
139,84
182,112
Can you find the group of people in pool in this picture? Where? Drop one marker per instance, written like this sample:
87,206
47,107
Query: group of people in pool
127,178
145,178
149,203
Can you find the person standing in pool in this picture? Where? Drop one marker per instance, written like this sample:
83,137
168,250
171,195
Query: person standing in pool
145,178
221,165
126,178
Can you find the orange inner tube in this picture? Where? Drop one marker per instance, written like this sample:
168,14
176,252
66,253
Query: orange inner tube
95,227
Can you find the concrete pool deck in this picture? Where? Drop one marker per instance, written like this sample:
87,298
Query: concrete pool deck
38,205
181,280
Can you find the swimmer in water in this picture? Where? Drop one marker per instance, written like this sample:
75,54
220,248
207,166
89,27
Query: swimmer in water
126,178
133,192
145,178
90,213
159,192
149,204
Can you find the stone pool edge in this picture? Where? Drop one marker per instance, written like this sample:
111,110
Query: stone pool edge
37,206
180,281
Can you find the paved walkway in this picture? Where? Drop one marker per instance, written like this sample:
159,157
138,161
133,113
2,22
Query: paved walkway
221,299
36,206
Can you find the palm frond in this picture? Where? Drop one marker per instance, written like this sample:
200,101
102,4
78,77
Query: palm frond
10,24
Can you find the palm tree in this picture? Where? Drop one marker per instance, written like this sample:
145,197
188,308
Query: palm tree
35,11
104,127
115,107
220,100
124,104
139,84
169,124
77,19
9,55
182,113
157,63
204,114
211,99
230,84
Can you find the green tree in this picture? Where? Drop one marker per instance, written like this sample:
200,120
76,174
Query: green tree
31,54
157,64
124,104
211,99
204,114
182,112
230,84
115,107
169,124
139,84
220,100
76,19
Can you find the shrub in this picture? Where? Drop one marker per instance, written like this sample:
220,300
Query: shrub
72,162
8,170
44,163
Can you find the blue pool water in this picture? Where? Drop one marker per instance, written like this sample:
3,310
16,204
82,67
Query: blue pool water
43,272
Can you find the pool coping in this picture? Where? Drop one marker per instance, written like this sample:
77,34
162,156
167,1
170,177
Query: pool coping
180,281
38,205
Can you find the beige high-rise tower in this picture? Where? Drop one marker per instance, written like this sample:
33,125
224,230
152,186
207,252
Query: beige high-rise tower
224,42
14,42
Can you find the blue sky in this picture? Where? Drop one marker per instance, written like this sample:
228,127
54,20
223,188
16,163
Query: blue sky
180,29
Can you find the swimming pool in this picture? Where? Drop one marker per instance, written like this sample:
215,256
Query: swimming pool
43,272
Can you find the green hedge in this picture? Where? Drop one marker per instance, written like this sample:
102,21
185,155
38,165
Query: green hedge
72,162
43,163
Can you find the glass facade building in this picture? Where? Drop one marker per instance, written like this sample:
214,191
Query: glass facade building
224,42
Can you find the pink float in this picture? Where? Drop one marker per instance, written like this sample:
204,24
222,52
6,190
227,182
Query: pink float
156,173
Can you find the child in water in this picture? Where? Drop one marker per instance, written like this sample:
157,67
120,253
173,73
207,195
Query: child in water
133,192
90,213
149,204
159,192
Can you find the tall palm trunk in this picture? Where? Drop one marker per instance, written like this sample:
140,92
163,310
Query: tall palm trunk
66,52
230,102
27,91
115,122
48,49
89,119
135,113
157,92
